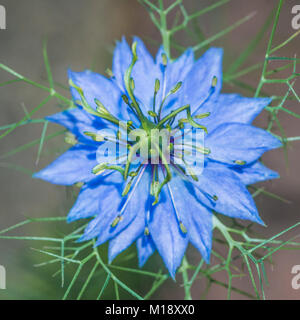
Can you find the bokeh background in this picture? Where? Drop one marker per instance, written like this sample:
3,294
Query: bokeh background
81,34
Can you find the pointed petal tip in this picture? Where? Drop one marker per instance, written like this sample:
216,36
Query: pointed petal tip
207,256
35,175
71,218
259,221
111,258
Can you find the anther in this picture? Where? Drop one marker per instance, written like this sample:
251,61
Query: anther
79,184
116,221
202,115
125,98
164,59
171,146
132,84
146,231
152,114
133,174
157,86
119,135
176,88
98,169
182,227
240,162
109,72
214,82
100,107
96,137
70,138
127,189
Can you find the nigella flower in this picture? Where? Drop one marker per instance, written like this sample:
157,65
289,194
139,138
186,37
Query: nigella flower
161,206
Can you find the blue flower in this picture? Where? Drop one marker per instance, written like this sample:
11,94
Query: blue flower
160,206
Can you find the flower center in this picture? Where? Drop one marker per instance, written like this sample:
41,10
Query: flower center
155,142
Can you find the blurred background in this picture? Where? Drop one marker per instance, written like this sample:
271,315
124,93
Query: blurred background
81,34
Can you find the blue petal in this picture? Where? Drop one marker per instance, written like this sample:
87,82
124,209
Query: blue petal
158,58
73,166
196,218
234,141
232,108
234,200
78,121
95,86
146,248
164,229
125,238
255,173
175,72
100,192
121,62
129,208
144,73
198,82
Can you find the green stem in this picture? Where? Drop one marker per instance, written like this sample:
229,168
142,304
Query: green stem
262,79
165,33
185,276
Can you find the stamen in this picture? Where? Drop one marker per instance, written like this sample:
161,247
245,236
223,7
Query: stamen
127,188
152,114
109,73
99,168
157,86
79,184
133,174
132,84
172,91
125,99
164,59
210,93
176,88
214,82
128,84
100,108
70,139
182,227
168,176
96,137
191,172
119,135
146,231
116,221
240,162
156,89
132,151
202,115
